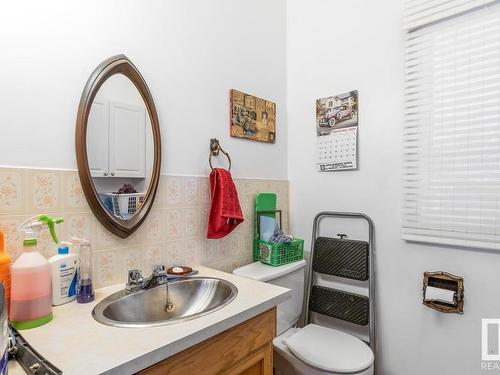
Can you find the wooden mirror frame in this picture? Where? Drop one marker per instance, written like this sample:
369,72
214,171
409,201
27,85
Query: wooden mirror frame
115,65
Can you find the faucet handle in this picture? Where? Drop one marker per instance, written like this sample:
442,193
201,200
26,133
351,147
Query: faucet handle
134,276
158,269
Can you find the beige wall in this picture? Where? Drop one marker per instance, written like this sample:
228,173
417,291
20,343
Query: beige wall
173,233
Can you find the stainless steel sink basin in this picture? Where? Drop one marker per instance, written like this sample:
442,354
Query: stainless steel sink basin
191,298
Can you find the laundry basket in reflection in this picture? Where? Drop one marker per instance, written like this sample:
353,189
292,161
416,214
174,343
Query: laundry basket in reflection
126,205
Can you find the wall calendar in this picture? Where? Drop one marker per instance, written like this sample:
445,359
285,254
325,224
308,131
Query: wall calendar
337,132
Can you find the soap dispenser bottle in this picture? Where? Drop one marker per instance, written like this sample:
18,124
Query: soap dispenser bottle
30,301
85,290
64,268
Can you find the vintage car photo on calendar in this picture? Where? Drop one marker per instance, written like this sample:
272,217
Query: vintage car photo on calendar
336,112
337,132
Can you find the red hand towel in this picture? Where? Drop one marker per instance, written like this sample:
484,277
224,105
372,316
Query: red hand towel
225,211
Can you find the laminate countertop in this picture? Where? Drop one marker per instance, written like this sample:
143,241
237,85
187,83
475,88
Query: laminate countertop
77,344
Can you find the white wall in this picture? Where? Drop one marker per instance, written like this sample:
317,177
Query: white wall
191,53
334,47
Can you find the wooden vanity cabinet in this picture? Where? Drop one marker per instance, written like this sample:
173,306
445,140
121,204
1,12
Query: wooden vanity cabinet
246,349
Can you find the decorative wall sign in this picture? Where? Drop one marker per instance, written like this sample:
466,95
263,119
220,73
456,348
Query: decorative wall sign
252,117
337,132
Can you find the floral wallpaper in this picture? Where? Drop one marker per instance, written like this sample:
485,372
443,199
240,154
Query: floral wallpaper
173,233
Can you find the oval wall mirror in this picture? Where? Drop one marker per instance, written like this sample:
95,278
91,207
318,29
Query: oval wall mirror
118,145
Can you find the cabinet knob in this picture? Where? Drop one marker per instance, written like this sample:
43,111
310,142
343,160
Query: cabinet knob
105,173
112,173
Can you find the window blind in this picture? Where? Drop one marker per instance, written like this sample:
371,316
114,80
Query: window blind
452,131
419,13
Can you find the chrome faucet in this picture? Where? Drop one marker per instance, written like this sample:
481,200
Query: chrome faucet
137,282
158,277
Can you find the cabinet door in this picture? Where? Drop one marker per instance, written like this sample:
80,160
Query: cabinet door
98,139
127,146
259,363
246,349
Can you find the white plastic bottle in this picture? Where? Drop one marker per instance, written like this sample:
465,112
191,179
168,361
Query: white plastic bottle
64,269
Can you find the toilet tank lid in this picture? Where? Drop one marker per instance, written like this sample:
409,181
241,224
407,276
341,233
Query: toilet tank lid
263,272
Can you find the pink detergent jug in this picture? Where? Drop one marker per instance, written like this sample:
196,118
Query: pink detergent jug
31,298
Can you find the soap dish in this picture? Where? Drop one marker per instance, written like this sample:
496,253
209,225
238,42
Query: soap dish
180,271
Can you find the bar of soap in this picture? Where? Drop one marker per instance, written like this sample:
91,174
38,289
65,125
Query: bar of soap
179,270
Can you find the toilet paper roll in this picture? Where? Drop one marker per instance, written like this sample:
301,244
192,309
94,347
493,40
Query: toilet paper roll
439,295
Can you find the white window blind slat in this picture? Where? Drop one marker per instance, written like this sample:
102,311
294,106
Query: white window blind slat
419,13
451,145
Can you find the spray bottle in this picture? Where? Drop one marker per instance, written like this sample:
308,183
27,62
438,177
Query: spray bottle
31,298
85,290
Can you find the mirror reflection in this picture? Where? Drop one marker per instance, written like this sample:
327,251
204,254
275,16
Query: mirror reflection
120,147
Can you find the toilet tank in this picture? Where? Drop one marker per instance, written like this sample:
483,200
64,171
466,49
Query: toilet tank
289,276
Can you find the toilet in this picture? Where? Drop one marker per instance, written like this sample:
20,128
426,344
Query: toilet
314,349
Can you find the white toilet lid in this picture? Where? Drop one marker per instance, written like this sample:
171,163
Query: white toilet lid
329,349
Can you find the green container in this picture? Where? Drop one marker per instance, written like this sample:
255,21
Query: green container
264,202
274,254
256,252
278,254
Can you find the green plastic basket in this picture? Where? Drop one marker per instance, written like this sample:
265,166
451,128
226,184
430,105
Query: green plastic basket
256,255
278,254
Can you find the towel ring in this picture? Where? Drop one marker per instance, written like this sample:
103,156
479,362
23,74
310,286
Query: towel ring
214,151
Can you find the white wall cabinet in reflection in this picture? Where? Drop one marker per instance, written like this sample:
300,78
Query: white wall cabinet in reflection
98,139
116,140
